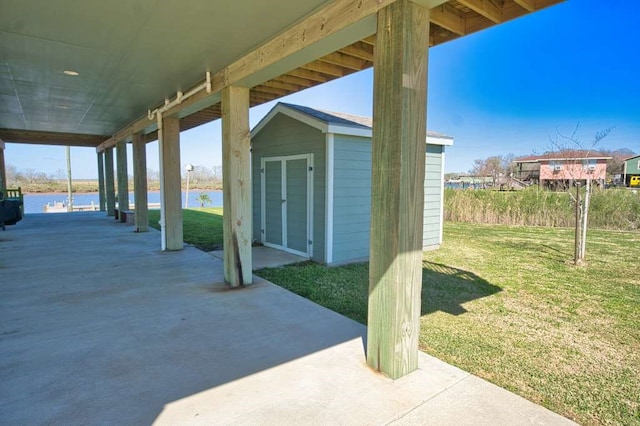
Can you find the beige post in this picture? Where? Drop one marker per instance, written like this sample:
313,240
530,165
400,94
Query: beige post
171,185
236,179
109,183
123,179
399,134
140,182
101,193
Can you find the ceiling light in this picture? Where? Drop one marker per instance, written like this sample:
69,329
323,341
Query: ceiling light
70,72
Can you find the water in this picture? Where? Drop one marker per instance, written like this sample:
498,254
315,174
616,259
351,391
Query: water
34,203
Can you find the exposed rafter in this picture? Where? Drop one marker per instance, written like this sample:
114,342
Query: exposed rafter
450,18
529,5
487,8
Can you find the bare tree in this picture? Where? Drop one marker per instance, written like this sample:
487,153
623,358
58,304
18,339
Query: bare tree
567,144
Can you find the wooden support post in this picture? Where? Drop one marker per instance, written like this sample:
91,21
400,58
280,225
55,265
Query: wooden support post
109,187
3,170
123,177
171,185
236,166
140,182
397,190
101,193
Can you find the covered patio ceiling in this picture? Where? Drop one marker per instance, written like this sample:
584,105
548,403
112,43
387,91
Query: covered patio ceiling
131,56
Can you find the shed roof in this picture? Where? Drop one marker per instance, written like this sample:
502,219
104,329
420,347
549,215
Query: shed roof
633,157
336,122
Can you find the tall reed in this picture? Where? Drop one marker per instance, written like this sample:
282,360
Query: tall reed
609,209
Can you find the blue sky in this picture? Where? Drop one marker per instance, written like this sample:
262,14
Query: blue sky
502,90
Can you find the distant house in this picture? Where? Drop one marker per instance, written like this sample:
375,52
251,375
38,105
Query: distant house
631,168
560,169
311,177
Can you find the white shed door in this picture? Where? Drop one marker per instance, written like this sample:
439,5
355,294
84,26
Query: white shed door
287,195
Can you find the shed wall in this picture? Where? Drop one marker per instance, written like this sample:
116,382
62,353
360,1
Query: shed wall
433,187
351,198
285,136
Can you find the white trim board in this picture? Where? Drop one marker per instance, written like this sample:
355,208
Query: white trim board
328,225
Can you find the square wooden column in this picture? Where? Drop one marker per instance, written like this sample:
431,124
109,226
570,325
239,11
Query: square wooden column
101,192
109,187
236,169
170,185
123,178
397,186
140,182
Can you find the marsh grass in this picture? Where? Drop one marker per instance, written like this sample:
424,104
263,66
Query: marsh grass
609,209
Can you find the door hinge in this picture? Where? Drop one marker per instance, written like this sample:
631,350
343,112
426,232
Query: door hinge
262,170
310,242
310,168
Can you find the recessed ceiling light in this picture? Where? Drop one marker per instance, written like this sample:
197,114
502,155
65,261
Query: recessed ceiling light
70,72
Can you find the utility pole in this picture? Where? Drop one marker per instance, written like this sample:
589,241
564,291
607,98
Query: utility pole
189,169
69,189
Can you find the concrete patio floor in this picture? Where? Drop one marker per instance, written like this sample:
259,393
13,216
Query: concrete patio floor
100,327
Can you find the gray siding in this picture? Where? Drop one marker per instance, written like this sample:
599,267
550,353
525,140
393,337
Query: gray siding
351,198
284,136
432,197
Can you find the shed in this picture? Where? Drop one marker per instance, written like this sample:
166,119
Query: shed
311,174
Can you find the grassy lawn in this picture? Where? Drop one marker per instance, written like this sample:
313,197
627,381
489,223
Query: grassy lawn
202,226
506,304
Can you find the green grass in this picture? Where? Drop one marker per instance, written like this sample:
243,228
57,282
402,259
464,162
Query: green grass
202,226
506,304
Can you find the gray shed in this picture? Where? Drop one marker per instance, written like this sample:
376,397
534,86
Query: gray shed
311,173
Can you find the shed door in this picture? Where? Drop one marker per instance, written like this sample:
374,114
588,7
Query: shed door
287,203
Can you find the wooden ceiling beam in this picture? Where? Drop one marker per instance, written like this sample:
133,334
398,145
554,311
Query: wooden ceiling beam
486,8
51,138
449,18
309,75
291,79
359,50
325,68
346,61
370,40
282,85
270,90
528,5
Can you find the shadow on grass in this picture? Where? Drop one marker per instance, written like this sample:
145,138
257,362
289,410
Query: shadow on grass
445,288
345,289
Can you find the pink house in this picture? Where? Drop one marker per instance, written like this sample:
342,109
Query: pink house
559,169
